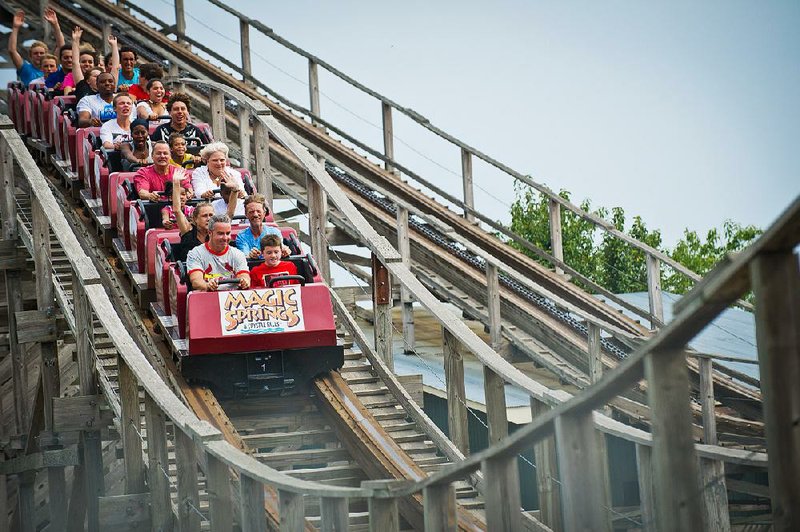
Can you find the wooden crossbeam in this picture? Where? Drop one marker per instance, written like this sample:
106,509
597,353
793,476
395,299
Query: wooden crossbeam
36,461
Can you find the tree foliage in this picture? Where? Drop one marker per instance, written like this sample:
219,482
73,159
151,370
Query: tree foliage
608,260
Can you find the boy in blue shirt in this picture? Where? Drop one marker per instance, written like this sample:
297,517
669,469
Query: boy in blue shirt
28,71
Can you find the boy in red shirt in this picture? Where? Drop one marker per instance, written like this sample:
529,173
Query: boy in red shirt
273,266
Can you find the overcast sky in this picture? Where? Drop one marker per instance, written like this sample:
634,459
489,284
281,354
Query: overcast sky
686,113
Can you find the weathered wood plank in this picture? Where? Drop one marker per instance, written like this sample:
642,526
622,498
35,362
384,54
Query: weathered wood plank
440,508
388,136
406,299
556,239
382,308
81,412
501,495
644,470
41,460
334,514
654,289
131,427
263,167
188,492
219,494
244,43
291,511
383,514
125,512
544,452
251,502
457,420
466,184
158,466
313,90
216,101
317,222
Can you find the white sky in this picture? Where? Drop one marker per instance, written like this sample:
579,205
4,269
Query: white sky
683,113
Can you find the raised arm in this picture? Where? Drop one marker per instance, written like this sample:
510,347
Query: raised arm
51,17
77,73
112,40
16,58
184,226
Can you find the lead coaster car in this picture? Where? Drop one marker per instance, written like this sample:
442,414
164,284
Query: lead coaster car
260,341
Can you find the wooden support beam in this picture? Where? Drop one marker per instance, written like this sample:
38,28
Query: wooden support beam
188,491
92,449
105,35
291,511
81,412
556,241
251,504
466,181
8,212
383,514
317,222
334,514
40,460
503,503
654,289
547,484
19,367
776,284
263,169
382,309
244,40
25,501
125,512
244,136
580,467
131,427
180,22
493,305
313,91
35,326
647,502
675,478
457,420
388,137
440,508
595,354
219,494
216,100
4,524
406,299
715,496
158,465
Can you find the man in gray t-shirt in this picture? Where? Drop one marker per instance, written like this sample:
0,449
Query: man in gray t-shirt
208,263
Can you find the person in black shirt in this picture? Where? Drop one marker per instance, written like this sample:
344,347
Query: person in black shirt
178,107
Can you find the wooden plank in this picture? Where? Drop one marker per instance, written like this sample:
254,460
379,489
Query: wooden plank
501,494
406,299
219,495
382,309
80,412
244,137
180,21
125,512
216,101
644,470
9,211
334,514
244,43
466,183
556,243
776,285
188,492
654,289
4,524
291,511
544,452
131,427
440,508
158,466
493,304
715,496
579,465
457,421
313,90
388,136
595,354
251,501
317,222
40,460
26,502
35,326
19,368
263,167
675,479
383,514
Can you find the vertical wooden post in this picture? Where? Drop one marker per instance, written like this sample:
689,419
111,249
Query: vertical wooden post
317,223
406,299
4,524
25,501
382,311
654,289
19,368
457,420
291,511
544,453
595,353
106,34
313,91
580,466
712,472
776,284
675,480
219,494
188,493
244,39
244,135
216,100
158,466
9,206
388,136
131,424
92,444
647,502
556,243
466,180
175,72
263,170
440,508
502,496
251,503
334,514
180,21
493,305
383,515
707,400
